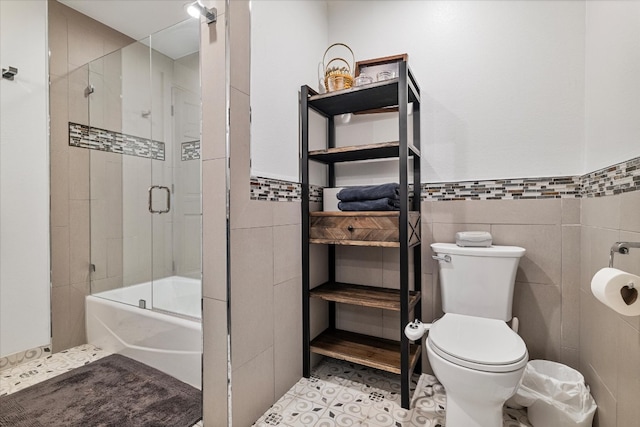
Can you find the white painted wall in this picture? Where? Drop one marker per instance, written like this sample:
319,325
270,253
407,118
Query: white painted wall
502,82
612,100
509,89
24,179
288,39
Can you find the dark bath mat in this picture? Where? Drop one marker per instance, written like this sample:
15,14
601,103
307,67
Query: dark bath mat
111,392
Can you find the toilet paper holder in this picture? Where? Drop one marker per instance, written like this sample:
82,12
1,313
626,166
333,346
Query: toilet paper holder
621,248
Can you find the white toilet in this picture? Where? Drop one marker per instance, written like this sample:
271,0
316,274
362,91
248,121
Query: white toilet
476,356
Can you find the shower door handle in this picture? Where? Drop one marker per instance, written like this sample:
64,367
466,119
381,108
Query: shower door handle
159,187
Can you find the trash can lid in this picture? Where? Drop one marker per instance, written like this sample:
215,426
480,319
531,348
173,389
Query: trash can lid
479,341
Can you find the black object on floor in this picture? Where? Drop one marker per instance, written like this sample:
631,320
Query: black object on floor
113,391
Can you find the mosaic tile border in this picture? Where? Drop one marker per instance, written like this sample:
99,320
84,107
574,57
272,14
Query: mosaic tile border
622,177
276,190
504,189
619,178
190,150
16,359
94,138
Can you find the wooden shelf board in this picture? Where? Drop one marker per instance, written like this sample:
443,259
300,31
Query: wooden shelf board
364,350
367,296
362,213
354,214
355,243
353,153
361,98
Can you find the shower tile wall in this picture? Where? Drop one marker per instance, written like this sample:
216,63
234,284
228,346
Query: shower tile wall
74,40
106,220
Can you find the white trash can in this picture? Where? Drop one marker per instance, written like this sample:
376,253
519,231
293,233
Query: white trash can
555,395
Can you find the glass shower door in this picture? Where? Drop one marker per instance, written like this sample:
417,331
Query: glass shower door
175,85
121,173
146,215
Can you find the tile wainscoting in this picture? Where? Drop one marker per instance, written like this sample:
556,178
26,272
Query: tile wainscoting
567,225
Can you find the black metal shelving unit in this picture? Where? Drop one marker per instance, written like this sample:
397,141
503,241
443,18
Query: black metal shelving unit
398,357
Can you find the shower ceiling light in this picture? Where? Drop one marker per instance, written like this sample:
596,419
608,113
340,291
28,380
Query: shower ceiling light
196,9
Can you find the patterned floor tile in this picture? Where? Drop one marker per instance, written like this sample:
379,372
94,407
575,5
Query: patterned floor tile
38,370
353,402
302,412
317,391
337,373
343,394
426,419
383,418
333,418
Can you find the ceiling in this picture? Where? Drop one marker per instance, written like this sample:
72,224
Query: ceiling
140,18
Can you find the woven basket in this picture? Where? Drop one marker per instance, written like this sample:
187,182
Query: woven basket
338,77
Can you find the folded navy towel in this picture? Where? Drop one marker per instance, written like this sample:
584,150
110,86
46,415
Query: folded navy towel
370,192
384,204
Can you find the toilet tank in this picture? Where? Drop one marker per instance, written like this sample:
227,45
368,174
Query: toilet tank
478,281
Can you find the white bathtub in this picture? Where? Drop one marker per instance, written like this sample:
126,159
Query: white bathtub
168,342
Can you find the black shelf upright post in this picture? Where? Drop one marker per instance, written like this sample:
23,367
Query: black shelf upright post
304,167
403,100
417,203
331,143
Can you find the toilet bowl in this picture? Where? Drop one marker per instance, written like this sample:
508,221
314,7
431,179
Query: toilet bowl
479,361
474,354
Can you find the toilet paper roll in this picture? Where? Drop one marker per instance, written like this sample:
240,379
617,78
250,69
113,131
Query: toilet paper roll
617,290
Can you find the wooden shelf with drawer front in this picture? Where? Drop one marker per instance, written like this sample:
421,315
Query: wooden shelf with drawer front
362,228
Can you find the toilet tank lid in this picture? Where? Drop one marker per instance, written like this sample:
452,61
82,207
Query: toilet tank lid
490,251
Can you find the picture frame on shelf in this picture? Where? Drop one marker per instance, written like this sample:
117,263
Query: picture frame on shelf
379,69
374,66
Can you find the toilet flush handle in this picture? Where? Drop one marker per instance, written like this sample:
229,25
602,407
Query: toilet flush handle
443,258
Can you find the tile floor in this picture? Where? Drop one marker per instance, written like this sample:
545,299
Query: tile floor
337,394
343,394
38,370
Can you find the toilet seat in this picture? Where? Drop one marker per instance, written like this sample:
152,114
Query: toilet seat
478,343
